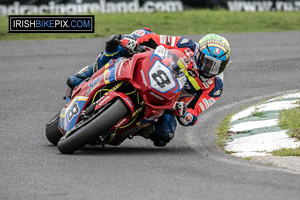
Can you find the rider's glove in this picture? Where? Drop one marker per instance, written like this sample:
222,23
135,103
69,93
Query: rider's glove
184,117
181,109
129,42
112,43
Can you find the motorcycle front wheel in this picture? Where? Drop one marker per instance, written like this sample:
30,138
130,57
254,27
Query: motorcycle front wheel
52,132
95,128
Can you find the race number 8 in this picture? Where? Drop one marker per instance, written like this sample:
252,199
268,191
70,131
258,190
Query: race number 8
161,77
73,111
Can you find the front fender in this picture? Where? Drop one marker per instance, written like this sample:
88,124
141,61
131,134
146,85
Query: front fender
113,95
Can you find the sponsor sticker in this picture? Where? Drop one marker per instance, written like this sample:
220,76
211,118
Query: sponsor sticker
211,101
139,33
168,40
189,117
187,86
186,60
205,103
184,41
202,106
217,51
163,39
106,76
157,96
120,123
93,84
173,41
218,92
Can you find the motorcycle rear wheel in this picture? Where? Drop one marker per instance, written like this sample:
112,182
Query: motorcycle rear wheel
52,132
95,128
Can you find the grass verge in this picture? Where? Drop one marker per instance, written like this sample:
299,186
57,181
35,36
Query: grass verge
286,152
222,133
191,22
247,158
290,120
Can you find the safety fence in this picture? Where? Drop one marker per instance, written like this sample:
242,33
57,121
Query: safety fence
112,6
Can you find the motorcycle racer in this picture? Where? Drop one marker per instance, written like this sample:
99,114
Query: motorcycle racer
205,63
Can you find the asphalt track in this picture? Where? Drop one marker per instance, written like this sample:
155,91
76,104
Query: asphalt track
32,81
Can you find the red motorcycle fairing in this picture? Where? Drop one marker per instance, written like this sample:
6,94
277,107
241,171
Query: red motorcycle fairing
147,72
153,80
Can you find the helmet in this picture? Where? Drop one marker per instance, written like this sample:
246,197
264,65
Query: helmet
212,56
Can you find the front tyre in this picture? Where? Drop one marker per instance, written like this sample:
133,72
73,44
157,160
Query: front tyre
52,132
95,128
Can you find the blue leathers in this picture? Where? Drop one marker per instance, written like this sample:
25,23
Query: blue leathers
102,59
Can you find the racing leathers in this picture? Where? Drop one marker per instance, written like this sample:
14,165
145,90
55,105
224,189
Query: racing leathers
197,94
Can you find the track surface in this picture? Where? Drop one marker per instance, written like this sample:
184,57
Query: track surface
32,81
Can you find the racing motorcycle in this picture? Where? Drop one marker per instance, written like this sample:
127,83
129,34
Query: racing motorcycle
119,100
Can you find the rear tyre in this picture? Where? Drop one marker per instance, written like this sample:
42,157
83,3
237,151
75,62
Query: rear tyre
95,128
52,132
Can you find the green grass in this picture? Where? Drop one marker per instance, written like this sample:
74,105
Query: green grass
222,133
290,120
257,114
182,23
287,152
247,158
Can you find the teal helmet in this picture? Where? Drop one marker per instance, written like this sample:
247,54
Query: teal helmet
212,56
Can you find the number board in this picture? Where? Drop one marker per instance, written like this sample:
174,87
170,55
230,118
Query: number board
70,114
161,78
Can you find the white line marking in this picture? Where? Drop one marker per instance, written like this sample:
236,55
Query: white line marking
261,144
253,125
278,105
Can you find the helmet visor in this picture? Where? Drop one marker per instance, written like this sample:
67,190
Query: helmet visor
209,66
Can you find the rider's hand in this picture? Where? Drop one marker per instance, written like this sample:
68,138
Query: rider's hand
181,109
112,43
184,117
129,42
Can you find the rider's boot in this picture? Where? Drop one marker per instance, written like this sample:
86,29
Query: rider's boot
148,133
87,71
162,131
76,79
112,50
161,139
